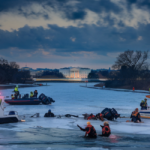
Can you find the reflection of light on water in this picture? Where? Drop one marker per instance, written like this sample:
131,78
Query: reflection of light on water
113,138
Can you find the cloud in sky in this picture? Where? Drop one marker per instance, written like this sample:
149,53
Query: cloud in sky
76,32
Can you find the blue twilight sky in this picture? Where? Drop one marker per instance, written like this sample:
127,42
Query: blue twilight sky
63,33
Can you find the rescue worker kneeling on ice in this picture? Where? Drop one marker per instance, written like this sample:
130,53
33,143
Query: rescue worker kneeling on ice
91,117
106,129
100,116
135,116
89,130
143,104
49,114
110,114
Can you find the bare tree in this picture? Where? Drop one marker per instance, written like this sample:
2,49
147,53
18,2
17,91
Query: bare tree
14,65
134,60
3,61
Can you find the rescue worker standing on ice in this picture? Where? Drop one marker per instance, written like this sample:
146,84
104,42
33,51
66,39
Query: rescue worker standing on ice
135,116
89,131
143,104
106,129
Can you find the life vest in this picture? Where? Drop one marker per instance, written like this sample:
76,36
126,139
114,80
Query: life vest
101,116
12,97
31,95
134,113
143,103
91,130
90,117
16,89
106,130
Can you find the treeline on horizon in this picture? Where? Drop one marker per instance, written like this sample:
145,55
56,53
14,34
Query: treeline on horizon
130,69
52,74
10,73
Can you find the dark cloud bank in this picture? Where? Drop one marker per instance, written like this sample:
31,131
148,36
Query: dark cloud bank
88,38
73,39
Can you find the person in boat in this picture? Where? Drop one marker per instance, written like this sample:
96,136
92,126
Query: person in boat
105,129
16,96
89,131
12,96
110,114
49,114
31,94
35,93
143,104
16,91
135,116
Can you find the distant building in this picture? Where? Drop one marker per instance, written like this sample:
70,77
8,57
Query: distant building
74,72
26,68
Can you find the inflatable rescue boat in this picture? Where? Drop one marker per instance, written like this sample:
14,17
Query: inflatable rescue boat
20,101
25,100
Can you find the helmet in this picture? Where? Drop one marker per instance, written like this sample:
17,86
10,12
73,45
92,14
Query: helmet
49,110
106,123
88,123
145,99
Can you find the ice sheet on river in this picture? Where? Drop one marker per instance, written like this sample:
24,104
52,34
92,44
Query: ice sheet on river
73,99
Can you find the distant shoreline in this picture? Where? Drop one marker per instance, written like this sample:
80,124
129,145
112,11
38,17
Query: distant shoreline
12,86
67,80
137,84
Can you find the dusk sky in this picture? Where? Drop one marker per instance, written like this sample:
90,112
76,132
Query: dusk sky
63,33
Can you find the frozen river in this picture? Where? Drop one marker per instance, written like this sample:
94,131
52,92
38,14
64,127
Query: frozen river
63,133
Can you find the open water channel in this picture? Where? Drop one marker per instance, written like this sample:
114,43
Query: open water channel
62,133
